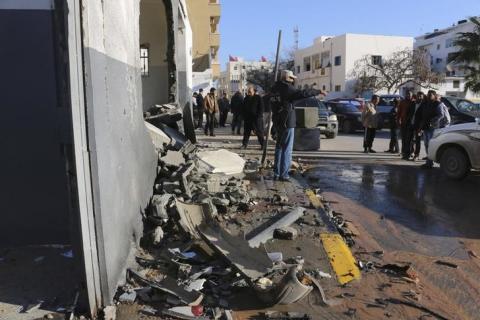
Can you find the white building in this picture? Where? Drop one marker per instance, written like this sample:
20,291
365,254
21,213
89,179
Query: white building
329,62
439,44
234,78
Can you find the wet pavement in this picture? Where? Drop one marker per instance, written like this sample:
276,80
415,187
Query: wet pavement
424,205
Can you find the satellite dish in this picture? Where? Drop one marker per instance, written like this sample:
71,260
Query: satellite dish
449,67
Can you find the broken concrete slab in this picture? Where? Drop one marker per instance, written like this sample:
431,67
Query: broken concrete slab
160,205
221,161
173,159
178,140
184,313
252,263
191,216
285,221
159,138
170,286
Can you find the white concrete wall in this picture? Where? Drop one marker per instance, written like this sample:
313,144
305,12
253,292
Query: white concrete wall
122,156
351,47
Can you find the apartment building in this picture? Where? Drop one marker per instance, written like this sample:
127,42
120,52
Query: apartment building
234,78
204,18
440,46
328,63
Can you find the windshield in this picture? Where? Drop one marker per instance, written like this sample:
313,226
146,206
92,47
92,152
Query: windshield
387,101
348,108
314,102
464,105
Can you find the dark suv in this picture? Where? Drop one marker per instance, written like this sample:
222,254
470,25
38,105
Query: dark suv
327,120
348,114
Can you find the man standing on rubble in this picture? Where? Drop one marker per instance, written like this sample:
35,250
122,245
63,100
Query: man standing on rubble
284,120
210,107
252,112
224,106
236,108
200,100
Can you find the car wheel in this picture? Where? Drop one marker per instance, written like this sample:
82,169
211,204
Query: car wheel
347,126
454,163
331,135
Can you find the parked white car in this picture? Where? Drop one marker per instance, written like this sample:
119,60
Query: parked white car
457,149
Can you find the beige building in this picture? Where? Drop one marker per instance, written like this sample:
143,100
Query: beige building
234,78
204,18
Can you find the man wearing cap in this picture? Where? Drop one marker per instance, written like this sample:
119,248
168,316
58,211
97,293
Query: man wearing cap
210,107
284,120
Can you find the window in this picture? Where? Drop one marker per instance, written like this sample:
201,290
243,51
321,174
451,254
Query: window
449,43
338,60
235,68
144,60
322,71
307,66
298,69
376,60
338,88
439,60
456,84
323,88
451,56
316,61
438,46
325,57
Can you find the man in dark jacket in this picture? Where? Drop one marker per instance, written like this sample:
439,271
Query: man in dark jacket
428,116
284,120
236,108
417,138
393,147
224,106
200,108
405,112
252,113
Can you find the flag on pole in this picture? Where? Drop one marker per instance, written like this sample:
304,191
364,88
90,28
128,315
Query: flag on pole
232,58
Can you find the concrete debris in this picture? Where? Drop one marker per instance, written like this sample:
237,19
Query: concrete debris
170,286
160,205
284,221
158,235
128,297
252,263
196,285
275,256
275,315
285,233
191,216
159,138
173,159
110,313
178,140
186,313
221,161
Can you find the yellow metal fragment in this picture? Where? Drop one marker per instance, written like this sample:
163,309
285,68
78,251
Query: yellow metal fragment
341,258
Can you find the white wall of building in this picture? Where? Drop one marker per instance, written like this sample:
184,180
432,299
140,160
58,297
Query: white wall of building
349,47
439,45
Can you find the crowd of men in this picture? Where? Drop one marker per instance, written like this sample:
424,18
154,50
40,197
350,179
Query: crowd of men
252,110
415,117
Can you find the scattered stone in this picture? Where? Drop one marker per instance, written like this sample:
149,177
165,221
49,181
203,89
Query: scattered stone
285,233
158,235
110,313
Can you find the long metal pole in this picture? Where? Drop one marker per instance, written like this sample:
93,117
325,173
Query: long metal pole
269,126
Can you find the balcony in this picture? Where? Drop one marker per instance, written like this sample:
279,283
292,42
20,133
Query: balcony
214,9
214,40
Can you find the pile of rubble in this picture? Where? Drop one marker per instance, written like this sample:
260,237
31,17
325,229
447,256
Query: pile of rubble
190,267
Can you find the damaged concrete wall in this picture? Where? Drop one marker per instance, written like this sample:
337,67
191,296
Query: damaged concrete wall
122,155
34,205
153,33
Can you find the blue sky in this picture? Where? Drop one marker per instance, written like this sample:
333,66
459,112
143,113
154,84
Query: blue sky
249,27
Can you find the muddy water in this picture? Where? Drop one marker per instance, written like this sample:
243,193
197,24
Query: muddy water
430,213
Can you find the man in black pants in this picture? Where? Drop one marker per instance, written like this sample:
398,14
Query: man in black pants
236,108
252,117
370,123
200,100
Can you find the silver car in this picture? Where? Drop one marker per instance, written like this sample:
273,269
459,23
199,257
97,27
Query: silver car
457,149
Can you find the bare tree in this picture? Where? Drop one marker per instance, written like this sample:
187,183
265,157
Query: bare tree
390,73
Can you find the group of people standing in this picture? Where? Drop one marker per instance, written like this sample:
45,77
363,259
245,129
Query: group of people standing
415,117
252,110
248,110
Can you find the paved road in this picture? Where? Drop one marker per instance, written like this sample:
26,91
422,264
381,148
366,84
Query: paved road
415,216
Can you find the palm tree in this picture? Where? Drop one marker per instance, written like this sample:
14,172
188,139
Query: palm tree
469,56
